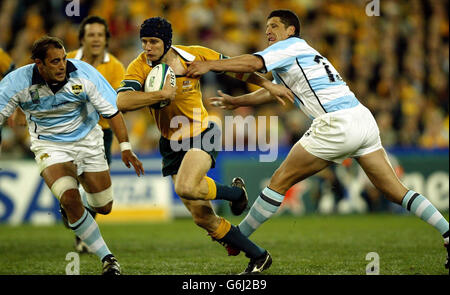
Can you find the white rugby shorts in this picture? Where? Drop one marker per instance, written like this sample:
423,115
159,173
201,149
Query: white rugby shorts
88,154
343,134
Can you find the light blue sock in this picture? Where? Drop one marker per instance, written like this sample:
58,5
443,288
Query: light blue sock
87,230
422,208
262,209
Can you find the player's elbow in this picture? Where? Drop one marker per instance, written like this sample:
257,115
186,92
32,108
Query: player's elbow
122,102
255,63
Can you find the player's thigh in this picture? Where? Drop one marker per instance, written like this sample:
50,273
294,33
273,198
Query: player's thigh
194,166
55,171
298,165
379,170
94,182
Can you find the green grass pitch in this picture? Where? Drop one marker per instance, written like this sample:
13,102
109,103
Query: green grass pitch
307,245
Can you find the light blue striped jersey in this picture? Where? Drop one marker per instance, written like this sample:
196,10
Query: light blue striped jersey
317,86
65,116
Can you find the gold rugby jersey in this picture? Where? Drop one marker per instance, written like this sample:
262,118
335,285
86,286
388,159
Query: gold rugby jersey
188,99
111,69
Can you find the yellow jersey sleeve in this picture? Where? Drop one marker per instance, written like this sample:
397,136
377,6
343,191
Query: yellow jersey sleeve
135,74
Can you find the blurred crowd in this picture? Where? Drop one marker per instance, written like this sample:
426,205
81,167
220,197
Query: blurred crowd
397,64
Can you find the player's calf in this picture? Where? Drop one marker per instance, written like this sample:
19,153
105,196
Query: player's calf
209,222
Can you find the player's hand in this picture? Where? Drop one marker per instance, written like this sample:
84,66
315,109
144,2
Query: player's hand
223,101
129,157
168,91
197,68
281,93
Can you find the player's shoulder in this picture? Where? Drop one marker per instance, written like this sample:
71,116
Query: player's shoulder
23,73
139,62
83,70
193,49
140,59
80,66
289,42
191,52
19,79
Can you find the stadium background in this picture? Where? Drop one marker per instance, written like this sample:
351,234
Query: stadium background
396,63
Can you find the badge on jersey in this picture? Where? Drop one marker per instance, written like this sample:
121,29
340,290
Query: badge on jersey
34,93
77,89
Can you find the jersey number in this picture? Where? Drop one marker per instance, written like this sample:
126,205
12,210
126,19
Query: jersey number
319,59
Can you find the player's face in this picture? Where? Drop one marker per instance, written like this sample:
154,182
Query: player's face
277,31
94,40
153,47
53,68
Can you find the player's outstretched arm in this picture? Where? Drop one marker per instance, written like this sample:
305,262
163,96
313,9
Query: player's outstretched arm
246,63
134,100
119,128
279,92
228,102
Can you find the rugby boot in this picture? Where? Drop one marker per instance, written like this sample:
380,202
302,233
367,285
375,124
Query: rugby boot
237,207
257,265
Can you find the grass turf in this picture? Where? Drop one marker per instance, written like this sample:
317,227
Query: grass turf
307,245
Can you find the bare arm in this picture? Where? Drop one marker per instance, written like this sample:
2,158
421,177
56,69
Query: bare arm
246,63
279,92
133,100
119,128
228,102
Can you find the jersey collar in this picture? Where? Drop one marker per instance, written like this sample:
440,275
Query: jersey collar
79,55
37,78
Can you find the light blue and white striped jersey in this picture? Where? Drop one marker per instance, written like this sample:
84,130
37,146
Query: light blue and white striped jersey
65,116
317,86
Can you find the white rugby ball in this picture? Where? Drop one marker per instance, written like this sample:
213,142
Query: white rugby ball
156,79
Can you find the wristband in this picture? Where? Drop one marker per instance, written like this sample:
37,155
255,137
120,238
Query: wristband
125,146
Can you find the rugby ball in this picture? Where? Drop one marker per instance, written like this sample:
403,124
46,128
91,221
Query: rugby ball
155,81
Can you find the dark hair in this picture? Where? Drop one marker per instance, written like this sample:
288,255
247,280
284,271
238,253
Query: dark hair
40,46
93,19
288,18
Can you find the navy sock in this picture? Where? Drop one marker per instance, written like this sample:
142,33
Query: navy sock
227,192
235,238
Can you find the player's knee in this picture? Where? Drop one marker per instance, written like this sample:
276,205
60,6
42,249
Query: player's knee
101,201
185,190
105,209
